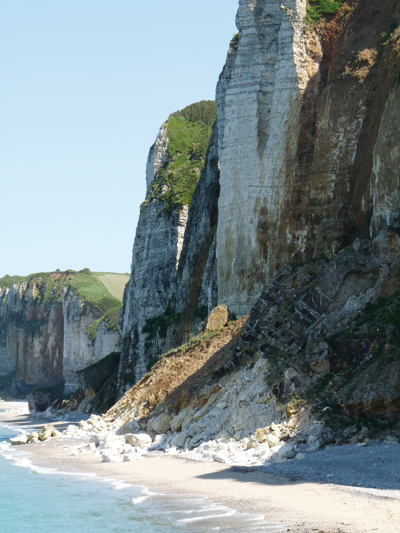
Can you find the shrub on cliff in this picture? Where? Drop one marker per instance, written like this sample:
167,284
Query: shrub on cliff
318,8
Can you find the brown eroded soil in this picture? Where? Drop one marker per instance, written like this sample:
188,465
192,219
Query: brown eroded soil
176,377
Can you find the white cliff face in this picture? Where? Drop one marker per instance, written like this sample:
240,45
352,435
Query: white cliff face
158,155
170,253
80,350
259,122
44,344
155,260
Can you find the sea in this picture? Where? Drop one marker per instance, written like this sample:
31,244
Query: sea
37,499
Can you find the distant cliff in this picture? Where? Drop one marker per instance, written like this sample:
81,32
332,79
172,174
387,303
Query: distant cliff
51,326
303,159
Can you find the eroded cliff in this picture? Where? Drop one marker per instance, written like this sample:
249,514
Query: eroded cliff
308,138
51,326
302,160
168,294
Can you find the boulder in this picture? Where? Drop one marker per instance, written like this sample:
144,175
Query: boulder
47,432
162,424
287,451
130,427
33,437
109,456
217,319
138,439
20,439
179,439
261,435
176,422
39,400
114,442
272,440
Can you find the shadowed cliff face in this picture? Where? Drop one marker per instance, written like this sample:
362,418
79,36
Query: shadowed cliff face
45,335
308,139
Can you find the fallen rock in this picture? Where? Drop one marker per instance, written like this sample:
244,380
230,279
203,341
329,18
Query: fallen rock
114,442
109,456
20,439
217,319
272,440
40,400
33,437
179,439
130,427
176,422
161,424
138,439
47,432
287,451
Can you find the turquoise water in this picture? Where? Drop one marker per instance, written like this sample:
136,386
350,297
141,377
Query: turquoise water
43,499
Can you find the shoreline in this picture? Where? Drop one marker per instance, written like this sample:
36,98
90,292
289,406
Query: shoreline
302,505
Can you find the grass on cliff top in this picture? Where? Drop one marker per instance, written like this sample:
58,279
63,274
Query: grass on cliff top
316,9
189,133
85,284
113,282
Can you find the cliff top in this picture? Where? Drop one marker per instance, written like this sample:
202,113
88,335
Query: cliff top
188,133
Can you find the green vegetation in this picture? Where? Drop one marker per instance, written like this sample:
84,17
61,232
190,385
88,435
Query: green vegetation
204,111
316,9
113,282
7,280
189,133
159,325
201,312
387,36
110,361
92,329
88,287
32,326
85,284
235,41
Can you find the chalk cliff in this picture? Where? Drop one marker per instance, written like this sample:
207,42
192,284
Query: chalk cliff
167,295
51,326
308,134
302,160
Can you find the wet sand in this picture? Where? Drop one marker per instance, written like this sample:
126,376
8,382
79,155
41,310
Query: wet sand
303,506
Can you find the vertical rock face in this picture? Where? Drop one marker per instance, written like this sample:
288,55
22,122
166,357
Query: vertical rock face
155,260
158,156
31,340
260,124
80,350
173,246
308,133
46,335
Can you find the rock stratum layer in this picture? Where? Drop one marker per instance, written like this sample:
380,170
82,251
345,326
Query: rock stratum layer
303,159
51,326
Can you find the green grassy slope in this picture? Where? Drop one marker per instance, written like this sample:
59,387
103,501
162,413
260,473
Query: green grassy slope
114,283
189,133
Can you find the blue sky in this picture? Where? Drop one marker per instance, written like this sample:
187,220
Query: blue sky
85,86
